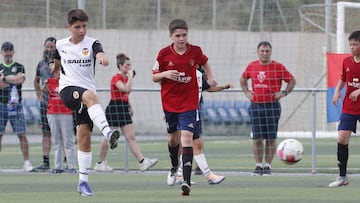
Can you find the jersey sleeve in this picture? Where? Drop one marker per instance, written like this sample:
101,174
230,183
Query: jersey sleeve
97,47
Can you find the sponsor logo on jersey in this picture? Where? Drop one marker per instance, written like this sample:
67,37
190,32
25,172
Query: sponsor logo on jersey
170,64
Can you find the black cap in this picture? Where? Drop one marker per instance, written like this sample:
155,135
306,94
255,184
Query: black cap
7,46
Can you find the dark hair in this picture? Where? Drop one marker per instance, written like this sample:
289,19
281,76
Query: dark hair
264,43
50,39
355,36
121,58
177,24
76,14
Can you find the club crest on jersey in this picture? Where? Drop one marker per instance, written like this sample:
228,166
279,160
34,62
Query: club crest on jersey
170,64
76,95
261,76
85,51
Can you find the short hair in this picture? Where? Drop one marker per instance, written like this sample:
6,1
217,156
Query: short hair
264,43
50,39
177,24
76,14
121,58
355,36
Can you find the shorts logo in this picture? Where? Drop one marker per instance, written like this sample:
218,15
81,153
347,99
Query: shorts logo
76,95
191,125
85,51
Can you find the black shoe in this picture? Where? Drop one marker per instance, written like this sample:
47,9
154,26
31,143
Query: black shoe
55,170
41,168
258,171
267,171
198,171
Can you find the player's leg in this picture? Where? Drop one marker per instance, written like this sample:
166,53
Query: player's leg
84,158
97,115
173,145
129,133
187,125
346,126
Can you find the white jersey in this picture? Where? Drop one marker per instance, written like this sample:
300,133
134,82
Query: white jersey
78,63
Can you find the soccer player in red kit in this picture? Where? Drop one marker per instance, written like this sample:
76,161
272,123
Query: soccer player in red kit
266,77
175,70
350,113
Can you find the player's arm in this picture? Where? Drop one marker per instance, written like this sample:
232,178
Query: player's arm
157,75
337,93
124,87
220,88
245,88
37,87
99,54
211,80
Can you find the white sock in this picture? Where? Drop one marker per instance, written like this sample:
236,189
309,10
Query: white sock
180,169
267,165
259,164
202,163
84,161
97,115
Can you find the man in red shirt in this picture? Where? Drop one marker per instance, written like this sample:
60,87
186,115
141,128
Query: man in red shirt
175,70
350,114
266,77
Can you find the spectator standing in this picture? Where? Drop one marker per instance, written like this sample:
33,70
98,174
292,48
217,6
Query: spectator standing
11,79
43,72
266,77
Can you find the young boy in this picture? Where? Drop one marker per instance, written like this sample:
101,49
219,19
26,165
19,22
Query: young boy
175,70
351,107
78,54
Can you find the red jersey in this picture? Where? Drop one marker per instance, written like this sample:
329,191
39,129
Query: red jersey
266,80
55,105
351,76
181,95
116,94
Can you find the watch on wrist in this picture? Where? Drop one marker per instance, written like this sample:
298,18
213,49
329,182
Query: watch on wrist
284,92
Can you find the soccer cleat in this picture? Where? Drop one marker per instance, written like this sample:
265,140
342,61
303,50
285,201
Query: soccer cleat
112,138
258,171
214,179
42,168
171,178
198,171
340,181
28,167
103,167
185,189
267,171
147,163
84,189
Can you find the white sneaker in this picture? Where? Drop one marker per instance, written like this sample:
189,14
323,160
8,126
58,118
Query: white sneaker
27,166
180,180
103,167
215,179
147,163
340,181
171,178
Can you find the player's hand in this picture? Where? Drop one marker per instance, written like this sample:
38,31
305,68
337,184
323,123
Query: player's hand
173,74
354,95
229,86
249,95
